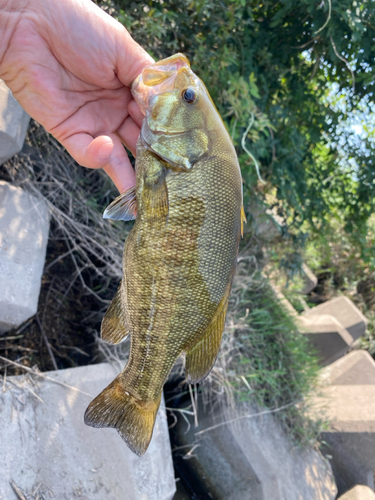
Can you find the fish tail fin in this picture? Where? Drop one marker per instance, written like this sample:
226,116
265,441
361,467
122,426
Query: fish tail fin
133,419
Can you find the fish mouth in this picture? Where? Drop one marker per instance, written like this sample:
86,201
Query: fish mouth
149,135
159,78
143,94
159,132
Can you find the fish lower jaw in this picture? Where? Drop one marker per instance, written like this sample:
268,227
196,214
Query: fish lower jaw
159,132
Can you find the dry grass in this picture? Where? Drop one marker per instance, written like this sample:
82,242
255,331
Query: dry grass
71,194
84,254
263,360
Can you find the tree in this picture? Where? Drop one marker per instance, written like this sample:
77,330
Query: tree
274,66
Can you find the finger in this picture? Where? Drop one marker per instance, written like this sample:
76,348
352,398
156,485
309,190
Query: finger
131,58
119,168
98,152
129,133
135,112
105,152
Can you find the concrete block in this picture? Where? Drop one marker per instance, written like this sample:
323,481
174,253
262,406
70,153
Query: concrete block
326,334
284,471
310,280
329,338
348,402
45,444
24,226
359,493
13,124
244,458
343,309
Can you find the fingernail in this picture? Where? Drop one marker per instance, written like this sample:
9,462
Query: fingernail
105,151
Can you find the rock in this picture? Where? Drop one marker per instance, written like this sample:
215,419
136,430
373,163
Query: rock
13,124
359,493
250,459
310,280
328,337
24,226
345,312
44,441
348,402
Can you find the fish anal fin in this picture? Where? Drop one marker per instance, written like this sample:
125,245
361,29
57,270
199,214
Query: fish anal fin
124,207
113,325
201,358
133,419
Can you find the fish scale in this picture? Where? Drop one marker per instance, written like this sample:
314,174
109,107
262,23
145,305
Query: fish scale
180,256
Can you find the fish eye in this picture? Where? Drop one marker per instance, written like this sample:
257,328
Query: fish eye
189,95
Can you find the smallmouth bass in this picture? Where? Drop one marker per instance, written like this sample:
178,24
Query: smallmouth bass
180,256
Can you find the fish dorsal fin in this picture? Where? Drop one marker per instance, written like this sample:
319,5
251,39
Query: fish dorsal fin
124,207
113,325
201,358
243,219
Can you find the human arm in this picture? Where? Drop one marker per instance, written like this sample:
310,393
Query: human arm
70,66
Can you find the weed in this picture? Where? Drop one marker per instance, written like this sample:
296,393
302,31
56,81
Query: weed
264,360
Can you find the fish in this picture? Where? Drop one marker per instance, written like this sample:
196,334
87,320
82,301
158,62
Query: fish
180,256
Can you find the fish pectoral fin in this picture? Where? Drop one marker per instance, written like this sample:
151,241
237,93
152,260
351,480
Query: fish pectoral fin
201,358
113,325
124,207
155,196
133,419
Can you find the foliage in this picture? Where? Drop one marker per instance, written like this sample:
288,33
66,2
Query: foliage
337,253
298,71
277,61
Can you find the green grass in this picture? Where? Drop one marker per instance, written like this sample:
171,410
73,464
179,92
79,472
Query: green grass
267,362
368,340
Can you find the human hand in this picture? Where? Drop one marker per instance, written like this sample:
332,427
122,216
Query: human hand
70,66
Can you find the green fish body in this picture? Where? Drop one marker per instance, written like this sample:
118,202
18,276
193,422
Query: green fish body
180,256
